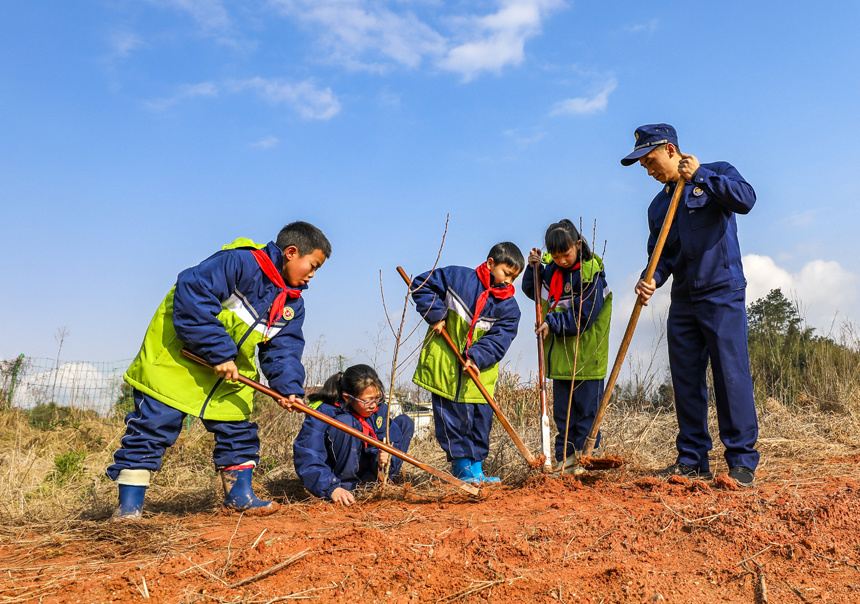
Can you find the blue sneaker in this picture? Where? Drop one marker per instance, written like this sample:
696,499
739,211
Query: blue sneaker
239,497
478,472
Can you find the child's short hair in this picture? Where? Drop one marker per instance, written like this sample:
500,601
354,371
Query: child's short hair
305,236
562,235
353,381
508,253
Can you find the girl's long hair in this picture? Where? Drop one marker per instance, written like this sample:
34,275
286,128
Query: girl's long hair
563,235
353,381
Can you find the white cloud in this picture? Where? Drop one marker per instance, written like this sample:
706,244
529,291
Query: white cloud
310,102
123,42
208,14
498,40
304,97
266,143
368,34
648,27
824,288
525,138
802,219
188,91
365,35
586,105
387,98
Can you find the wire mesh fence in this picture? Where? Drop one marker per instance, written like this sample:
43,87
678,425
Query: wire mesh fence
27,382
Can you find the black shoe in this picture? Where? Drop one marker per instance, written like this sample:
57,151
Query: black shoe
682,469
743,476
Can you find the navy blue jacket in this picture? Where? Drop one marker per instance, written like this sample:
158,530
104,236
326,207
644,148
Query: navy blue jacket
702,252
311,456
233,277
457,288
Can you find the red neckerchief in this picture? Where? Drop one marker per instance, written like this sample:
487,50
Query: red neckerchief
502,293
365,426
272,273
556,284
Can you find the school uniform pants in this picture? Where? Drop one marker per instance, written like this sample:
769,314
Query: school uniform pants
715,329
153,426
583,408
353,462
462,429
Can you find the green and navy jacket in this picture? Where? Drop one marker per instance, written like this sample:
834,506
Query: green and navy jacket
579,321
451,293
219,309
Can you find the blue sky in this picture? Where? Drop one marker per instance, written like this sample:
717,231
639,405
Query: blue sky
137,137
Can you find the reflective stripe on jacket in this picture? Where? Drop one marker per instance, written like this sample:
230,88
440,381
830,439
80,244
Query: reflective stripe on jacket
219,310
450,293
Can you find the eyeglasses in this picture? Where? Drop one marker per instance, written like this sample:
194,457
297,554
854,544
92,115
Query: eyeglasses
375,402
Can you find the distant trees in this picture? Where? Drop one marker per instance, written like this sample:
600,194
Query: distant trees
792,364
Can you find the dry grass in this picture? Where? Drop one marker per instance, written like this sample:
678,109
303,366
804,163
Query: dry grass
39,493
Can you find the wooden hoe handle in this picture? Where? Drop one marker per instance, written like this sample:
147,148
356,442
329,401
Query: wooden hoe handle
590,440
530,459
544,415
348,429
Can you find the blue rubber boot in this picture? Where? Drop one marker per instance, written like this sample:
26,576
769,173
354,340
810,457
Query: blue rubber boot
239,497
130,502
462,469
478,473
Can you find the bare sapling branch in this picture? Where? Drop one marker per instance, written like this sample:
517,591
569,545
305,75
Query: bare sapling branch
400,340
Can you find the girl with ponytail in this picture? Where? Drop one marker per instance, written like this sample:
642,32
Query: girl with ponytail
330,462
576,306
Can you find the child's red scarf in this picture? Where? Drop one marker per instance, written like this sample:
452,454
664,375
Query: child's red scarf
274,275
556,285
499,293
366,428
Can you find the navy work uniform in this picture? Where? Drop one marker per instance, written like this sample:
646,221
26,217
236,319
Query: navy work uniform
707,315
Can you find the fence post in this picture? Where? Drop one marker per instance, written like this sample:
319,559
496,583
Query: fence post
18,362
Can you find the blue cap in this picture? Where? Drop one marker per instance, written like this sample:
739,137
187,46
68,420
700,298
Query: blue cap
648,137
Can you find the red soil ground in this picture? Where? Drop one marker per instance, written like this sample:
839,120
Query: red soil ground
614,536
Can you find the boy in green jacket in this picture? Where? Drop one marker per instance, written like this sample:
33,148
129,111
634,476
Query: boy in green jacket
244,300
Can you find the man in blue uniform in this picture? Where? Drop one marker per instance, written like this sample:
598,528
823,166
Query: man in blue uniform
707,315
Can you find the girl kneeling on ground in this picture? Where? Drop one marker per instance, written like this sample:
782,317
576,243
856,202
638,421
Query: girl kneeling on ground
330,462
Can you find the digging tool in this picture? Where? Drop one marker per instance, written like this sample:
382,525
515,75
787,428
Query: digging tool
544,416
471,490
530,459
590,440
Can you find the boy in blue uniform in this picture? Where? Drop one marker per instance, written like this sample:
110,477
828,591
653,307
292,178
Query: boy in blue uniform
244,300
707,315
330,462
478,309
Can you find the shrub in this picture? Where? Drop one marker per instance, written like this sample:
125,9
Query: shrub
66,466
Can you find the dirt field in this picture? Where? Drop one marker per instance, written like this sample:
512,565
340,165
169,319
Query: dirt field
614,536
